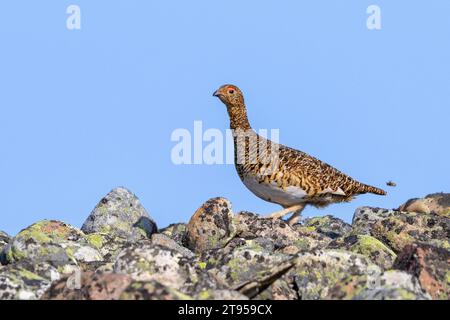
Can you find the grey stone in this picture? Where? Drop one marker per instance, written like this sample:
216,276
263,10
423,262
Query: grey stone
120,215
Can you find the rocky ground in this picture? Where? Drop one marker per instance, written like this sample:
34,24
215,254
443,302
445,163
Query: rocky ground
119,253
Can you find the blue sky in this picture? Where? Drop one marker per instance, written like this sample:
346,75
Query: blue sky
83,111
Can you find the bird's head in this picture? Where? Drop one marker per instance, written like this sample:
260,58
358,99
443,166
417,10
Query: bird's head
230,95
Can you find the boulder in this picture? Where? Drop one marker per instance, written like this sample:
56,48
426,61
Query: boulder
26,280
121,216
397,229
437,203
220,295
368,246
176,232
88,286
4,239
246,266
408,228
151,290
316,274
110,286
365,217
279,233
328,226
390,285
211,226
147,262
54,242
431,266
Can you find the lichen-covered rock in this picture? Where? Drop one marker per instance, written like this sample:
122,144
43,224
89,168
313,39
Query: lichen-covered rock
431,265
26,280
329,226
368,246
51,241
247,267
438,203
120,215
250,226
408,228
281,289
211,226
4,239
365,217
317,273
164,241
176,232
398,229
88,286
151,290
146,262
220,295
108,245
221,256
390,285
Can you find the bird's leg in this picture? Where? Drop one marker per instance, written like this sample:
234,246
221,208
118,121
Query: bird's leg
285,211
295,217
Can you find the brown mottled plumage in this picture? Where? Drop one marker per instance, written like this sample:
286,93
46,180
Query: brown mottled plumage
280,174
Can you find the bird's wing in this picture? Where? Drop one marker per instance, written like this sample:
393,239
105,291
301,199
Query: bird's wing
318,176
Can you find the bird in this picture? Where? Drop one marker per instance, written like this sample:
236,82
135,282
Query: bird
282,175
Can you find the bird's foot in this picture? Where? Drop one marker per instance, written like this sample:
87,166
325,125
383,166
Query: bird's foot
280,214
293,219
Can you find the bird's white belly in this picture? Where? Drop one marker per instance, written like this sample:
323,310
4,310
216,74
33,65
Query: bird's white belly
273,193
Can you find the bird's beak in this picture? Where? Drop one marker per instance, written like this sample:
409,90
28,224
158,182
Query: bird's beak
216,93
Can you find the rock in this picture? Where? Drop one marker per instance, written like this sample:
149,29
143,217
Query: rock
51,241
26,280
368,246
220,295
251,226
431,265
398,229
108,245
148,262
316,274
151,290
407,228
110,286
281,289
390,294
88,286
365,217
391,285
437,203
120,215
164,241
247,267
145,262
4,239
385,254
211,226
278,232
329,226
176,232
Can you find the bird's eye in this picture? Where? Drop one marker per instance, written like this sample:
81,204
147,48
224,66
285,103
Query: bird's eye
230,91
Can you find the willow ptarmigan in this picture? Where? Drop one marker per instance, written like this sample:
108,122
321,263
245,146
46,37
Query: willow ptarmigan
282,175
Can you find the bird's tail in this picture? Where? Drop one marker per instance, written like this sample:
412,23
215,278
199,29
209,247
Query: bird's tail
369,189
